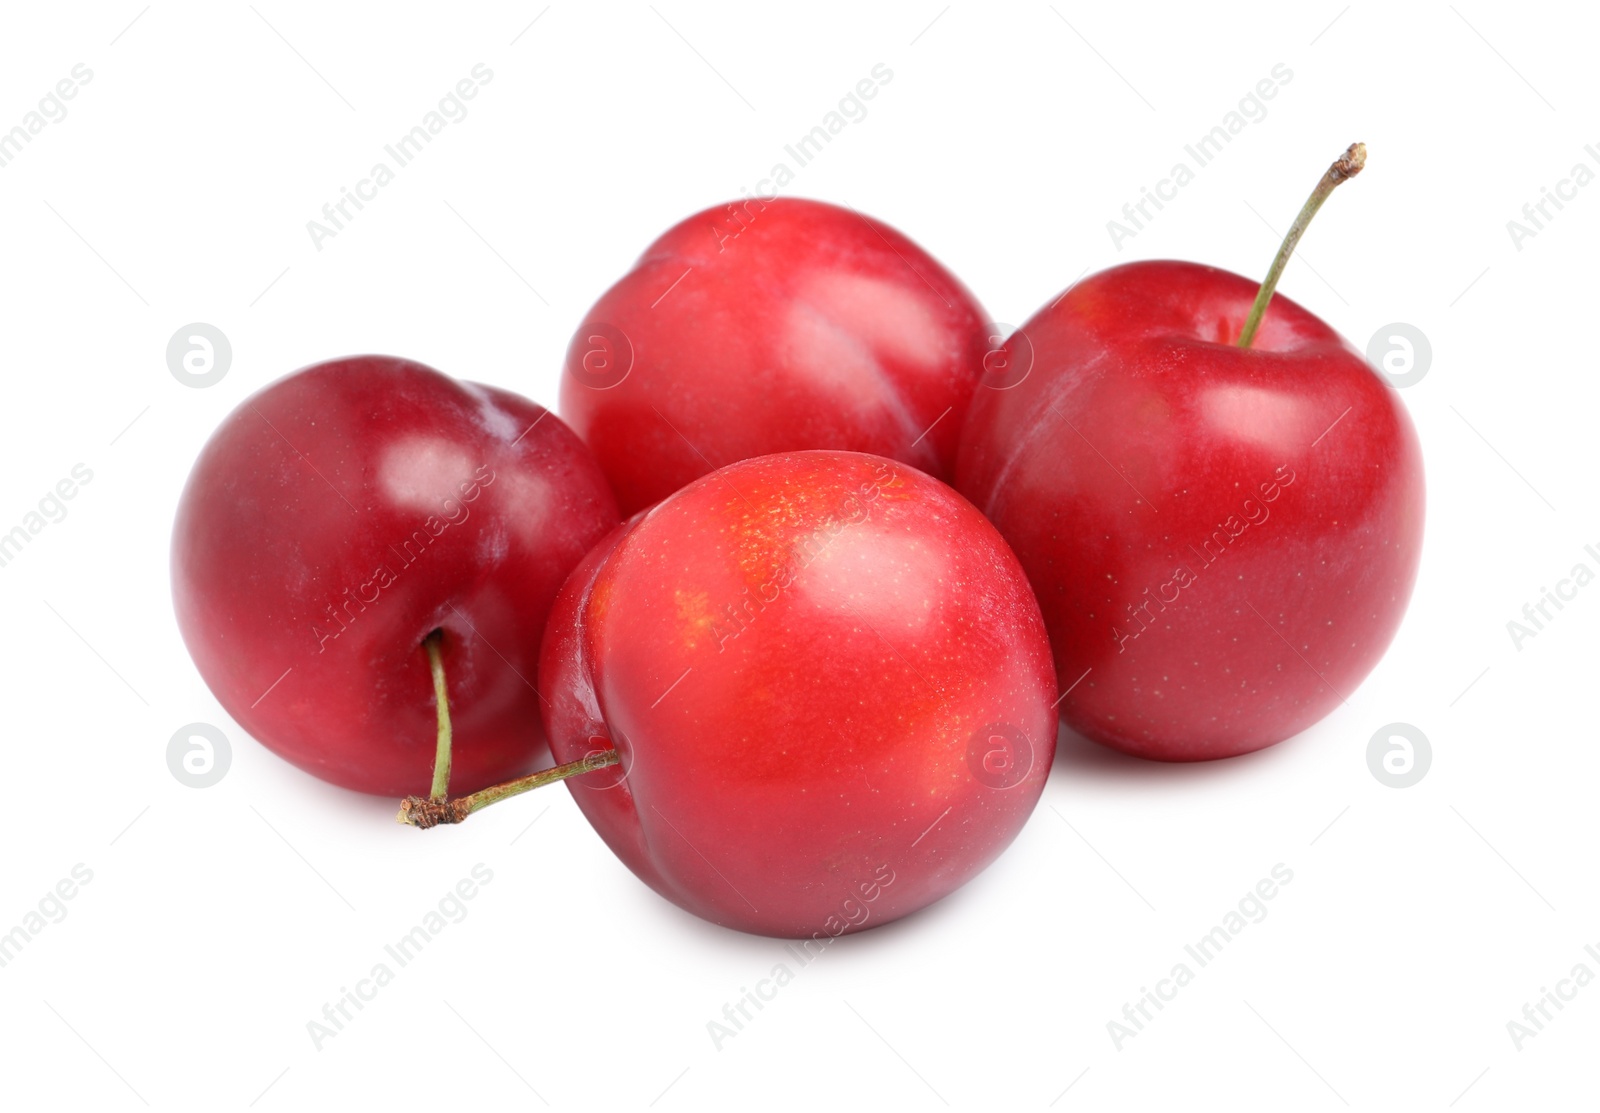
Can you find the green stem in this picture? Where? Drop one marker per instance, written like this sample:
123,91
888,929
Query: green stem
441,699
417,812
1347,166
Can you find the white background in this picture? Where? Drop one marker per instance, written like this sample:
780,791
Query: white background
220,921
